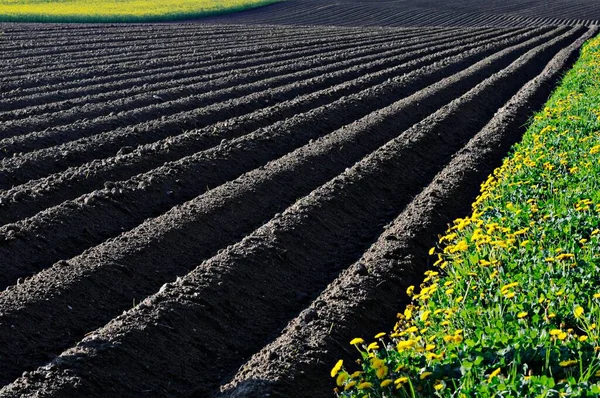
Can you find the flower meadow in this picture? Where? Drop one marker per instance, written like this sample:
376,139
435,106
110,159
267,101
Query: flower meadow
512,307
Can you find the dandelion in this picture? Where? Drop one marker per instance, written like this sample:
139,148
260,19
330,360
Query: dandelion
364,385
570,362
522,314
578,311
372,346
410,291
382,372
494,374
349,385
337,367
356,340
425,315
386,382
406,344
341,379
401,380
425,375
380,335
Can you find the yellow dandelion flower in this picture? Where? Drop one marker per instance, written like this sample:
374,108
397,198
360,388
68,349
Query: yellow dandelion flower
510,295
570,362
555,332
341,379
522,314
583,338
412,329
407,313
386,382
382,372
597,295
410,290
377,363
494,374
509,286
564,256
578,311
425,375
562,336
405,344
373,346
400,380
431,251
364,385
337,367
439,386
349,385
425,315
380,335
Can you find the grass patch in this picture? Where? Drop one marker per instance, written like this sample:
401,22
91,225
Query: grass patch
119,10
513,308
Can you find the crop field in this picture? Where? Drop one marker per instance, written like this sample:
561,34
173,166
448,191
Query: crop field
118,11
217,209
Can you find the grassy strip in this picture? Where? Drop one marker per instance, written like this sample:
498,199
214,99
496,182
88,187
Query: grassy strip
77,11
513,308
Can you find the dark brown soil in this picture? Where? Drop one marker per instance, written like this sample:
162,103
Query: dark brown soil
172,196
501,13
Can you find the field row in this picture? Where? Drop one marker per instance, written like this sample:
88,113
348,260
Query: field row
468,13
224,206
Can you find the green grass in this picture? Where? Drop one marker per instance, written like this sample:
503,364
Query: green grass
119,10
514,308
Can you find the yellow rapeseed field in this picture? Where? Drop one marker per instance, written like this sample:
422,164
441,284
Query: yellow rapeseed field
117,10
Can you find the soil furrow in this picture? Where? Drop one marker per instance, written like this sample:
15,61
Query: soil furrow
298,252
114,266
20,169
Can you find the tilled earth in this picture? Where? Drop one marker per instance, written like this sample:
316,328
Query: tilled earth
403,13
216,210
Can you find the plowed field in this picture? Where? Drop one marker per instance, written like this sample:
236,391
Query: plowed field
197,210
422,13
